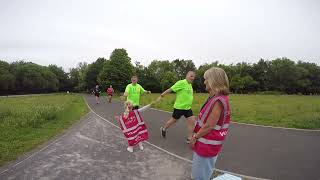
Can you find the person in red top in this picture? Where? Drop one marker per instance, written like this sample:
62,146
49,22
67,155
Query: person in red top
109,92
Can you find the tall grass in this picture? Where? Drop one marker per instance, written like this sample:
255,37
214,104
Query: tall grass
26,122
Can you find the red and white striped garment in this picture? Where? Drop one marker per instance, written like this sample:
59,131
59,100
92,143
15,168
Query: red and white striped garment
133,127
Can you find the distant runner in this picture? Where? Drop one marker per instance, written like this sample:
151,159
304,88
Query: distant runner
96,91
109,92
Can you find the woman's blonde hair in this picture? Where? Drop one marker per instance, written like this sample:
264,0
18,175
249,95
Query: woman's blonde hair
217,80
126,109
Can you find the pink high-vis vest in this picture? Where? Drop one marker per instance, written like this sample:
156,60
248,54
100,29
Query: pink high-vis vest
133,128
210,144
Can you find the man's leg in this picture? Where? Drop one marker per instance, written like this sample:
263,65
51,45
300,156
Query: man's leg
190,124
175,116
169,123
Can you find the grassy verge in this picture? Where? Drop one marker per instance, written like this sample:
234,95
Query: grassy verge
26,122
291,111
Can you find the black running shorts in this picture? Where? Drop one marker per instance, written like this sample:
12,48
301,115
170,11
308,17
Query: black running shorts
177,113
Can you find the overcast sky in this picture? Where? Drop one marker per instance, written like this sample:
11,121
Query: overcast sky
66,32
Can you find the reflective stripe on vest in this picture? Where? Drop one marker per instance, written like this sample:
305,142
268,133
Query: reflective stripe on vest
204,115
224,126
141,132
125,129
122,124
216,127
137,116
211,142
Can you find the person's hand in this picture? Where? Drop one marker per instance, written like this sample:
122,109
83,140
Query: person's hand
193,141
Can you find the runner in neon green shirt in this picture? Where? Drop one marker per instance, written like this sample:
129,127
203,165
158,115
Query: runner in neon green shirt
133,92
184,94
182,105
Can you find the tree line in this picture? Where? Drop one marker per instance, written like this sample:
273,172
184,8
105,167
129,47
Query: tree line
280,75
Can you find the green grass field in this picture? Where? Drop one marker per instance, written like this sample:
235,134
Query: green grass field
26,122
291,111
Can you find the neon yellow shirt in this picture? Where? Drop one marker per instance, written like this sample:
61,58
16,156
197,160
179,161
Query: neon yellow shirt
134,92
184,93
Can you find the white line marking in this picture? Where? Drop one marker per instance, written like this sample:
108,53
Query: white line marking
295,129
256,125
172,154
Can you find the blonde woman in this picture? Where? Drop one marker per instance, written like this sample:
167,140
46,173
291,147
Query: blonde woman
212,124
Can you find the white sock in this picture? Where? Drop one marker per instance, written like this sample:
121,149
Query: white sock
130,148
141,146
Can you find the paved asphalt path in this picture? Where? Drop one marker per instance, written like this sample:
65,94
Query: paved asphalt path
262,152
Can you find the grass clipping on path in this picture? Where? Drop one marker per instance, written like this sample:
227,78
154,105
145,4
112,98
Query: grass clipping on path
292,111
26,122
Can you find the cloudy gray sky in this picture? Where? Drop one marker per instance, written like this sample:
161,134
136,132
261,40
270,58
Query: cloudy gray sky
65,32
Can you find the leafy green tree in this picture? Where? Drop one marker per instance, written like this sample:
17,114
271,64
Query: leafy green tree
198,82
74,79
29,78
313,76
241,85
159,68
117,71
281,74
237,84
33,78
63,81
182,67
83,69
93,71
262,74
6,78
149,80
249,84
51,82
168,79
286,75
